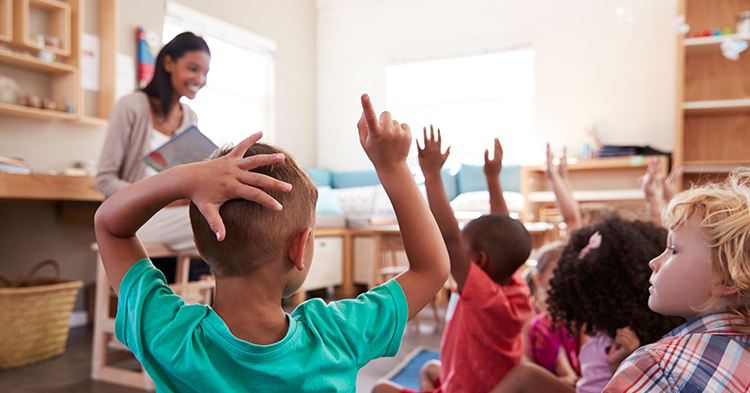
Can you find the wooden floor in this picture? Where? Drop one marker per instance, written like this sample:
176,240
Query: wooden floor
69,372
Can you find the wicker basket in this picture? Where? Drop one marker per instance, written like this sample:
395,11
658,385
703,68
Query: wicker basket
34,321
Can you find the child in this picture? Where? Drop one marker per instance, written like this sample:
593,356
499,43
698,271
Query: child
703,276
598,289
246,342
482,340
548,345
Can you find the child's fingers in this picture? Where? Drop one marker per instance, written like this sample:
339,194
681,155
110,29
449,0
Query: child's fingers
440,137
371,118
419,148
486,156
362,129
447,152
211,214
498,149
385,119
242,147
432,133
258,196
260,180
424,135
260,160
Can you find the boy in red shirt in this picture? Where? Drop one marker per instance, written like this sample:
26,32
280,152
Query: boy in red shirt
482,339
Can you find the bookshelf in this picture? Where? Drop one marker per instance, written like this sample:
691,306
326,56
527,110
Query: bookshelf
713,95
21,21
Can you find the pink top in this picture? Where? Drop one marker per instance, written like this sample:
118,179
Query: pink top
595,371
482,341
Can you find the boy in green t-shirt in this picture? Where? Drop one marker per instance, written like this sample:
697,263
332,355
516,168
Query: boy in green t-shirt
261,253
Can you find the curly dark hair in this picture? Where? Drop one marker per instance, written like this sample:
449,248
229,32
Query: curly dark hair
607,289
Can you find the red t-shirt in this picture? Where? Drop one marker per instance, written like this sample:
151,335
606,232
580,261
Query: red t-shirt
482,341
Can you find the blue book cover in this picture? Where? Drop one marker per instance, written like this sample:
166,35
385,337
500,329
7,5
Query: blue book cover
187,147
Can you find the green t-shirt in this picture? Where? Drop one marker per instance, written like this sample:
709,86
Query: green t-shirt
188,348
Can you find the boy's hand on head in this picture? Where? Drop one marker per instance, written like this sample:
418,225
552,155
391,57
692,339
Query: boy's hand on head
211,183
493,167
386,141
625,342
430,156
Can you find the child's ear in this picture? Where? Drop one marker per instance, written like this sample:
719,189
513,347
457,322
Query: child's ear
726,287
480,258
168,64
297,251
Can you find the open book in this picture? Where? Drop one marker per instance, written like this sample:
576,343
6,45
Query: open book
187,147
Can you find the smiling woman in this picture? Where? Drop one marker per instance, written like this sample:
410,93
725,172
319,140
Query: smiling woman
143,121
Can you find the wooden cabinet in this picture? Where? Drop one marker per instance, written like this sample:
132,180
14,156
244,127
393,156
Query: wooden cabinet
713,94
614,181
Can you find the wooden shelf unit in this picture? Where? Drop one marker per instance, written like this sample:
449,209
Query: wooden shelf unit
6,21
65,72
713,95
614,181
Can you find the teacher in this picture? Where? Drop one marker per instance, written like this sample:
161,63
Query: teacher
143,121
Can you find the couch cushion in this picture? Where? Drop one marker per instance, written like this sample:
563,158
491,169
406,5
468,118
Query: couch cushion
354,179
327,203
321,176
471,178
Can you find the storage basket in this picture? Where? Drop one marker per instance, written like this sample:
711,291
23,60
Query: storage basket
34,316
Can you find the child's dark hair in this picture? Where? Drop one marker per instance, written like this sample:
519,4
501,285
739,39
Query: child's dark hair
607,288
256,235
505,241
160,86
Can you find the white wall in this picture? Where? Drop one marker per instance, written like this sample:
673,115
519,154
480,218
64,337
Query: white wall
588,69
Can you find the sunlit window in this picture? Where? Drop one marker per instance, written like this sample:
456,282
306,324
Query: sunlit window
239,93
472,99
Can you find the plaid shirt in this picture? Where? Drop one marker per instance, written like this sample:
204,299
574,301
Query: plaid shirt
705,354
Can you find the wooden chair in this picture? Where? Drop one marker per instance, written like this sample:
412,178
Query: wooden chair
106,349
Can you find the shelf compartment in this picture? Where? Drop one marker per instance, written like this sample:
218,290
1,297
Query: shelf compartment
60,19
716,106
719,139
712,44
35,64
6,20
591,195
34,113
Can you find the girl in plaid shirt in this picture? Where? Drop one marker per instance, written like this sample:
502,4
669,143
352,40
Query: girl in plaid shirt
704,277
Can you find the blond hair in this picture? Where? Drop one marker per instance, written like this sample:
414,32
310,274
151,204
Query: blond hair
724,211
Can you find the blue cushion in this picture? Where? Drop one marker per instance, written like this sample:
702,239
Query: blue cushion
354,179
327,203
471,178
321,177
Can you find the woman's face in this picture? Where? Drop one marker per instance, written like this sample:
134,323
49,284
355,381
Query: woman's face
188,73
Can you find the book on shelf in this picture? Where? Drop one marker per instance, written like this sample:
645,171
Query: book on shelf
189,146
14,165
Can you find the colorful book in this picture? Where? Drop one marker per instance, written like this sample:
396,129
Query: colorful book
187,147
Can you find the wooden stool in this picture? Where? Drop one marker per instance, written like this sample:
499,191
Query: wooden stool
388,265
104,324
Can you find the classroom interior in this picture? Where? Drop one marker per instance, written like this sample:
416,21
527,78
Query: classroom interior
613,82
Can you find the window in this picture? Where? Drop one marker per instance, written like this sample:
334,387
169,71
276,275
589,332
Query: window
238,98
471,99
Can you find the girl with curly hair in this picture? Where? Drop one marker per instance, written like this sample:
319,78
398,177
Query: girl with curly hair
600,288
703,275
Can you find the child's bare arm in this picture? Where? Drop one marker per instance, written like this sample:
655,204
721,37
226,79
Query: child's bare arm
492,169
208,184
431,160
387,144
563,195
652,184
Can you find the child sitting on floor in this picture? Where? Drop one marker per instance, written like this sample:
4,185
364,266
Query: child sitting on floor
704,276
598,289
246,342
482,340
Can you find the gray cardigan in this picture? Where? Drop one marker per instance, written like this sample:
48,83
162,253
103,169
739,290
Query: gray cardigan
128,139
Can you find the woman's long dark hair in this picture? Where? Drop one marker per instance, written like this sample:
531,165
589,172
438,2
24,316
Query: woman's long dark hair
160,86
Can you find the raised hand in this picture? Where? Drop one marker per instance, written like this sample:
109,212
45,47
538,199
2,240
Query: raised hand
563,167
430,156
652,182
672,183
550,169
626,341
386,141
493,167
211,183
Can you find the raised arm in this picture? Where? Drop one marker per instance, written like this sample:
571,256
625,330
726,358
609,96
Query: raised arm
652,184
492,169
568,206
431,160
208,184
387,144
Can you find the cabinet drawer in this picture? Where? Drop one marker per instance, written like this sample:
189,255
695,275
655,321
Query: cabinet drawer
327,267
